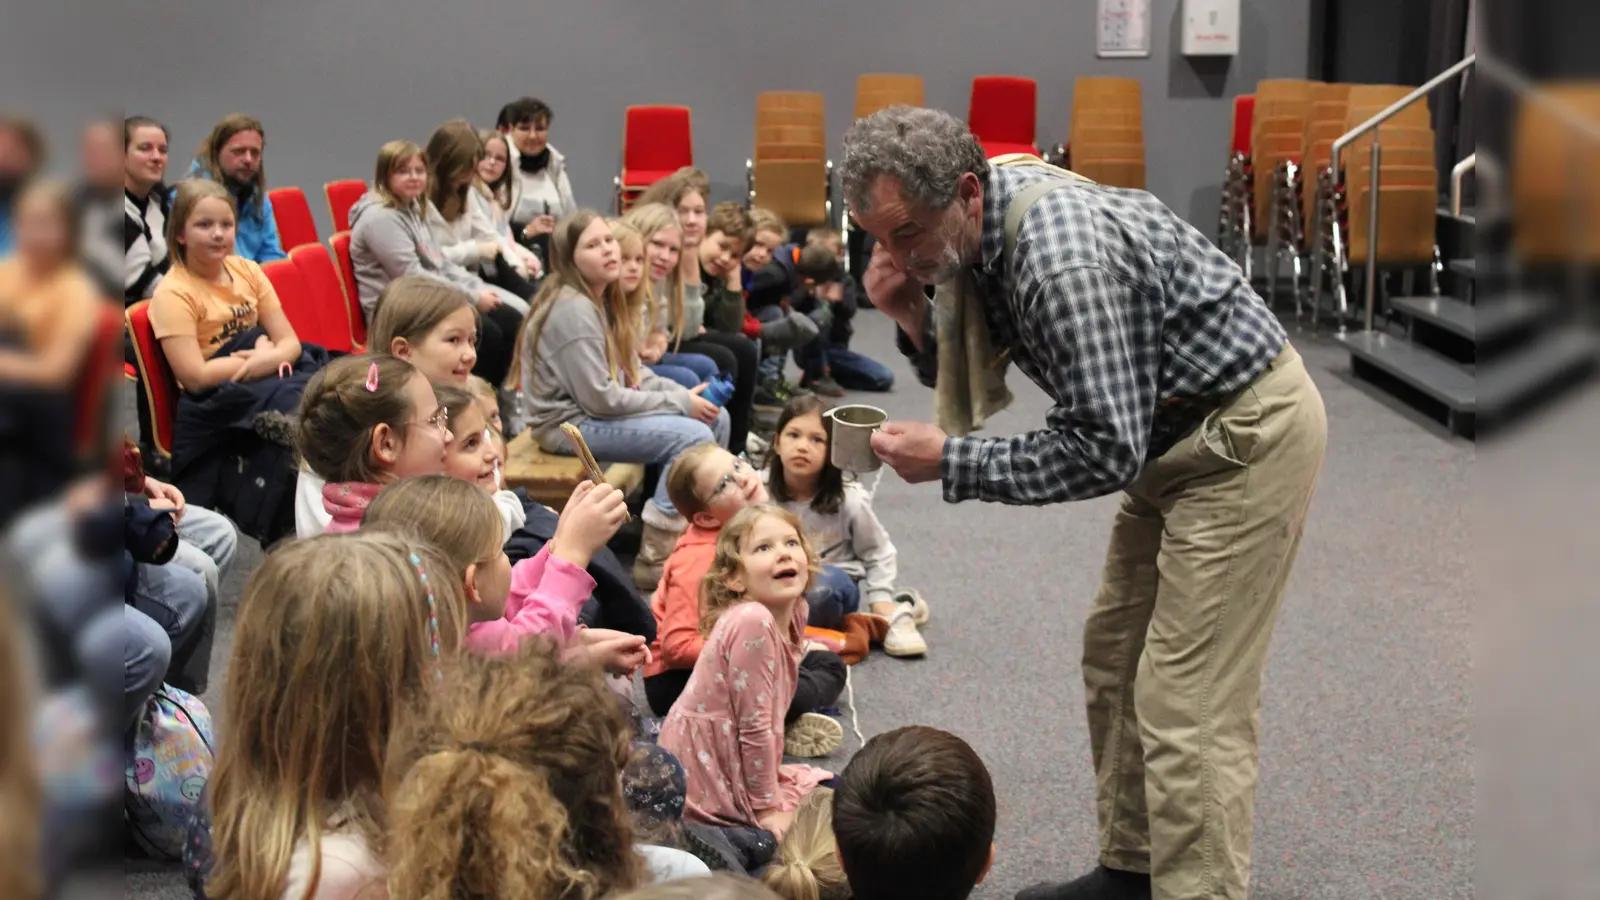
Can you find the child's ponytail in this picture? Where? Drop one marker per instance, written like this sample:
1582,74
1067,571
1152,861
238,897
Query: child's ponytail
807,867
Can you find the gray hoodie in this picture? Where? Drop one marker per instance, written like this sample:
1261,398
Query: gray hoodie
386,243
566,379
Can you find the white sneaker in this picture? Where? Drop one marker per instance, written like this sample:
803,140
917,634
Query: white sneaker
812,735
919,606
903,639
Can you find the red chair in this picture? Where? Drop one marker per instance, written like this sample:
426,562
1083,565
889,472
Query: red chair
316,266
312,321
341,196
1002,113
98,371
1244,109
160,387
293,215
656,141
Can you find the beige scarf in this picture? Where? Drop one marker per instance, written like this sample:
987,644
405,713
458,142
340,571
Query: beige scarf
971,384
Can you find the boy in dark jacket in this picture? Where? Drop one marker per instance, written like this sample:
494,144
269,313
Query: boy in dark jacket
811,280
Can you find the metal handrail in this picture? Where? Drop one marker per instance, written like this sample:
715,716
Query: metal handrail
1394,109
1456,174
1343,141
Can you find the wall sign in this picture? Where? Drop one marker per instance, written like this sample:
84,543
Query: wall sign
1123,28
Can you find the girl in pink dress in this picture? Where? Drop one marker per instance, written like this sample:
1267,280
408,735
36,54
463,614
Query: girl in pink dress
727,727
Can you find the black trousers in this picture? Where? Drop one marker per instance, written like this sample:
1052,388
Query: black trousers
502,275
821,681
497,336
736,356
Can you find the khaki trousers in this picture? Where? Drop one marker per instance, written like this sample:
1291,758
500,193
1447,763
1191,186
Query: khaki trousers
1175,646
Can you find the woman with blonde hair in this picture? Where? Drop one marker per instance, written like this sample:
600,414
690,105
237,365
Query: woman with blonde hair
296,796
575,364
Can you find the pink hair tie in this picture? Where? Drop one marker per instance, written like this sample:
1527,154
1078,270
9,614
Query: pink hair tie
285,370
372,377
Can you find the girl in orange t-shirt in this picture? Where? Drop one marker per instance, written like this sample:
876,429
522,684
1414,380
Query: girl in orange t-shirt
48,306
212,295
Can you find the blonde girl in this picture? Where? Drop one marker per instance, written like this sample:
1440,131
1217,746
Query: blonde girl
506,603
807,867
727,728
671,218
637,286
336,638
575,364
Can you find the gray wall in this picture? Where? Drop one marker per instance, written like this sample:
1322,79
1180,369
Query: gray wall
334,79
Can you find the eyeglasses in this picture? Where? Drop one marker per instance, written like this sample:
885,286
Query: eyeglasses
440,423
728,480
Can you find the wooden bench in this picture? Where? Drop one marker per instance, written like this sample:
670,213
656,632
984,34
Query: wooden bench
550,478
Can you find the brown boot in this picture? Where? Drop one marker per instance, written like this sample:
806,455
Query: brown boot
655,545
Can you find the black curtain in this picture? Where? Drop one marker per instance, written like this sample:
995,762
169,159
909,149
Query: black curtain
1446,45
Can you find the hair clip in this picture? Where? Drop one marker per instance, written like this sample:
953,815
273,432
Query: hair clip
372,385
285,370
433,613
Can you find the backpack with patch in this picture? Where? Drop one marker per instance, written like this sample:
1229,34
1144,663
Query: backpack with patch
168,766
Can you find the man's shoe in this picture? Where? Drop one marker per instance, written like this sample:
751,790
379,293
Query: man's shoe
1100,884
823,385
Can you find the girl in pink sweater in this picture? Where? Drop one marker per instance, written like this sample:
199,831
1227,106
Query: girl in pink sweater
506,603
727,727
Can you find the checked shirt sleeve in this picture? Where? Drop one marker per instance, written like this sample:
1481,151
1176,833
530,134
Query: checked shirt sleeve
1081,326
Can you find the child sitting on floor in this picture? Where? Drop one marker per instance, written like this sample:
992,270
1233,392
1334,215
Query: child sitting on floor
509,785
727,728
615,603
913,816
711,486
856,553
366,421
337,637
426,322
507,603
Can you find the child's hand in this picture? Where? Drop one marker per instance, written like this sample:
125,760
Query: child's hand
593,515
617,652
776,822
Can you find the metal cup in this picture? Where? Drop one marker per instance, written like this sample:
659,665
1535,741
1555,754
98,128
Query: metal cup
853,426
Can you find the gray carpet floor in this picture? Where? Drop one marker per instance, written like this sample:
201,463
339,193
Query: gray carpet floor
1366,768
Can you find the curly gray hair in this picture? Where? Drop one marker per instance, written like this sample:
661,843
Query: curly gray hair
927,150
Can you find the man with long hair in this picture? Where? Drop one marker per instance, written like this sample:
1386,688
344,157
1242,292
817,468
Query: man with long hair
231,156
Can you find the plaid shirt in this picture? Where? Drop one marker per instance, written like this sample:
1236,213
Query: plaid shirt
1121,312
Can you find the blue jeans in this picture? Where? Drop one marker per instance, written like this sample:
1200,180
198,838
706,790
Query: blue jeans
679,374
146,655
176,599
656,439
833,595
703,367
852,370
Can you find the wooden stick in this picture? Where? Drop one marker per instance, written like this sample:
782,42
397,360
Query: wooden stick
580,449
